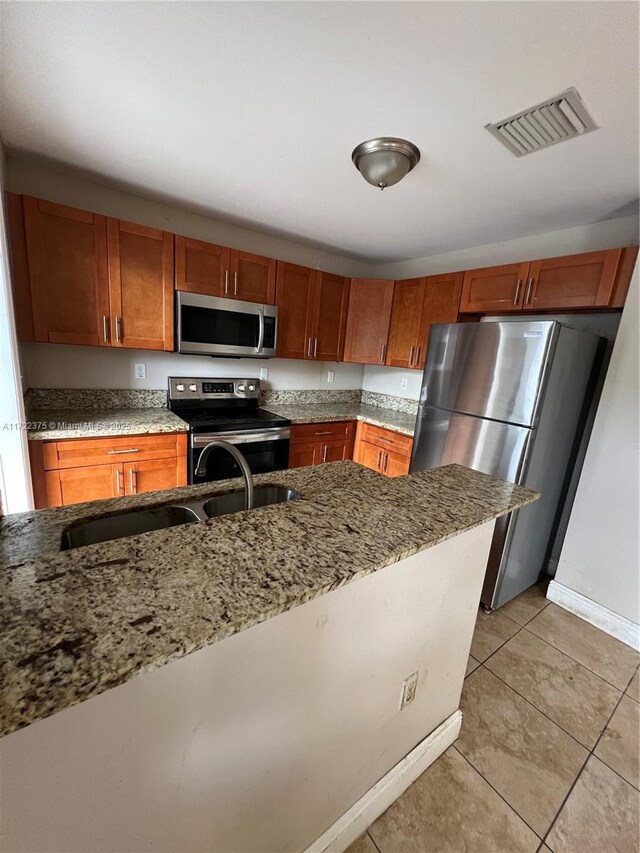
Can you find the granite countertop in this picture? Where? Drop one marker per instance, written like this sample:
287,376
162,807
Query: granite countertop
75,623
52,424
317,413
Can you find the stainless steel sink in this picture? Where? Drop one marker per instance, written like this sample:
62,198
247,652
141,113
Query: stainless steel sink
136,521
234,501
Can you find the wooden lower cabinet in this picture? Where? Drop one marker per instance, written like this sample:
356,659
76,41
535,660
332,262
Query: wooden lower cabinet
62,474
383,450
313,444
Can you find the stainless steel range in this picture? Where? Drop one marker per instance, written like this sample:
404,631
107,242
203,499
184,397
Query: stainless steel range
228,409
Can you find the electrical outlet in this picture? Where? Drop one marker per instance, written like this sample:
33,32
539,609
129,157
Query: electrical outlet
331,376
140,371
403,383
264,373
409,687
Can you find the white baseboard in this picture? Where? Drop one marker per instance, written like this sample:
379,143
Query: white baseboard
378,799
608,621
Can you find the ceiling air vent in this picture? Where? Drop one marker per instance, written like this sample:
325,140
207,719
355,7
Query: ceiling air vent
556,120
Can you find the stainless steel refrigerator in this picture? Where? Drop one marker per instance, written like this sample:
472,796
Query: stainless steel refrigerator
508,398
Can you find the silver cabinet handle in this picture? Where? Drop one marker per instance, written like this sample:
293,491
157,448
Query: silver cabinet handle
528,293
411,356
385,465
378,460
128,450
417,361
119,485
226,281
132,481
517,294
315,347
383,350
235,284
105,328
309,348
324,453
118,330
325,432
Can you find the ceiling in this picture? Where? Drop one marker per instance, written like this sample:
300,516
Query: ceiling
250,111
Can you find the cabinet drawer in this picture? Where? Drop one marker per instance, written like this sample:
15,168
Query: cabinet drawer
318,432
80,452
387,439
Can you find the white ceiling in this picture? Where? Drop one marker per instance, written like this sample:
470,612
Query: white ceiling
251,110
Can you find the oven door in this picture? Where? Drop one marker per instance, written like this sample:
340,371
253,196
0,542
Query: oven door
210,325
265,450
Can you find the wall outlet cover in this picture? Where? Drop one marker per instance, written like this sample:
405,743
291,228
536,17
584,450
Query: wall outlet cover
140,371
264,373
331,376
409,687
404,383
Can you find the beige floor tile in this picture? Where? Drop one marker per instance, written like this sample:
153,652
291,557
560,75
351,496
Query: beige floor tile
528,604
620,743
600,815
472,664
576,699
607,657
449,809
492,630
362,845
526,757
633,689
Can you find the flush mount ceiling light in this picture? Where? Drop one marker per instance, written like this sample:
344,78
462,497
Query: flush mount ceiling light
384,161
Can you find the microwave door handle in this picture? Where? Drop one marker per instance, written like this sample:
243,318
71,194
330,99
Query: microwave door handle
261,329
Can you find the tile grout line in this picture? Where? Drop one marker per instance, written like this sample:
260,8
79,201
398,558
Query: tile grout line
508,804
371,838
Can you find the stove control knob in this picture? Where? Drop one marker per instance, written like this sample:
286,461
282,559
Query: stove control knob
242,388
180,387
193,387
252,387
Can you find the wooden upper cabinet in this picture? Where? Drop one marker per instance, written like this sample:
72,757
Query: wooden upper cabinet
368,319
295,301
252,278
67,268
499,289
330,317
441,305
406,322
140,286
573,281
201,267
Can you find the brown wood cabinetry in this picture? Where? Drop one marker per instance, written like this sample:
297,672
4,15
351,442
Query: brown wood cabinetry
313,444
312,309
588,280
368,319
219,271
417,303
76,470
383,450
252,278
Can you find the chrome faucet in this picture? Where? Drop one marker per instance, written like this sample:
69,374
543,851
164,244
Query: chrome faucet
201,470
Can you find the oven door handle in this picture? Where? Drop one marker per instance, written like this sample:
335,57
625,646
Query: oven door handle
248,437
261,329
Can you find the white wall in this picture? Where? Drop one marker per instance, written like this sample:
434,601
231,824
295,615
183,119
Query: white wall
600,557
59,366
608,234
389,380
15,482
259,742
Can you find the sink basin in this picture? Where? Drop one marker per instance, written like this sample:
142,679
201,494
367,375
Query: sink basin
144,520
234,501
125,524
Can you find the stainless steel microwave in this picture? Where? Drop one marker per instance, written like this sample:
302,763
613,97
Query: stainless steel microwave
211,325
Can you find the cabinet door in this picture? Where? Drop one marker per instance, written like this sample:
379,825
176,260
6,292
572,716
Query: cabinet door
330,317
406,322
499,289
67,258
301,455
574,281
368,320
140,286
335,451
253,277
294,294
395,465
154,474
202,267
441,305
370,456
77,485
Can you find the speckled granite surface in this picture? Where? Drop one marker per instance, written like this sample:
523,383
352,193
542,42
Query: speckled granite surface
93,398
54,424
269,397
389,401
76,623
313,413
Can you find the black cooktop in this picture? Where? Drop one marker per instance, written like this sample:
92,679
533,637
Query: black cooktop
227,419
